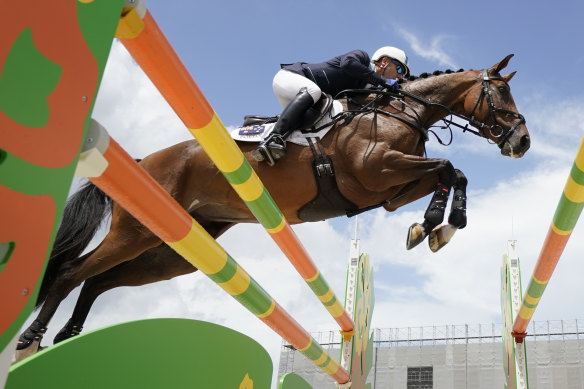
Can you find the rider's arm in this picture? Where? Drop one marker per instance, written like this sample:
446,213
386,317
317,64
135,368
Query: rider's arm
356,64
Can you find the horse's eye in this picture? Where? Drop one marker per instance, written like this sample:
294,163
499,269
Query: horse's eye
503,89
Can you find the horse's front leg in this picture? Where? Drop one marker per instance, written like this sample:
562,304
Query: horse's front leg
441,235
434,216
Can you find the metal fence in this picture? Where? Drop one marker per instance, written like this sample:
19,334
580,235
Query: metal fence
461,356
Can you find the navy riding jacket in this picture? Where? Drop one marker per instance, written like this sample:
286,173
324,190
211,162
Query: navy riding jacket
347,71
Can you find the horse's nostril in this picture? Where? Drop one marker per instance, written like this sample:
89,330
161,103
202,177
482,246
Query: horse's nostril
525,141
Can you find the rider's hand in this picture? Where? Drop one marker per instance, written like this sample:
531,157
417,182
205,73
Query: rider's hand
392,85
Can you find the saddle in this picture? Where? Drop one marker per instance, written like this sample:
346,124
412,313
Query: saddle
328,202
307,124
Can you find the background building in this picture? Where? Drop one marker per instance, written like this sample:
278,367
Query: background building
456,356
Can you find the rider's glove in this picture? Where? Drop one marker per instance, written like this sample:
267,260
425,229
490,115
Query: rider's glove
392,85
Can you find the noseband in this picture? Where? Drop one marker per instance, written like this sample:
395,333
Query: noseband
496,129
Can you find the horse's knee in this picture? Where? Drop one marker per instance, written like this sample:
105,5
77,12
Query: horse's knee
460,179
447,173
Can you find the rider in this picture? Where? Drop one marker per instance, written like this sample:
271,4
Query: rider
298,86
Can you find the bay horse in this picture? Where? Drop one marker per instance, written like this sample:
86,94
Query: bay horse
379,160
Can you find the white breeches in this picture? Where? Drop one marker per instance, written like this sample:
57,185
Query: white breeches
287,84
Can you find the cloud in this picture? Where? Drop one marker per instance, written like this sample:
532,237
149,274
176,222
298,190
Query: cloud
557,128
432,51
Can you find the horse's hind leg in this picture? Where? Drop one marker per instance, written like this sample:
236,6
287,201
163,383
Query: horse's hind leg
157,264
108,254
441,235
30,340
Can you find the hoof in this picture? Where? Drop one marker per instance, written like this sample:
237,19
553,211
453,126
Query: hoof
440,236
21,354
416,235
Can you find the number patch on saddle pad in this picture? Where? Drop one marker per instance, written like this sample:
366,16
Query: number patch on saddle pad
252,130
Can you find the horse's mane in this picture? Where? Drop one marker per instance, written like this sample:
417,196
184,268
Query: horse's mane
426,75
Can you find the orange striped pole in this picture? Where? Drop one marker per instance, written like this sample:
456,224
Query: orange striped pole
567,213
111,169
147,44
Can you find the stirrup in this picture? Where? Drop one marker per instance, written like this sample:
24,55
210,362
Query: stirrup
262,153
271,150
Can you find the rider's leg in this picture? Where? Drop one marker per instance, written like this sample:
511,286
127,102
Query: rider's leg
275,143
305,94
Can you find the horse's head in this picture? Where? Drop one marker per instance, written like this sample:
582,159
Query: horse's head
492,110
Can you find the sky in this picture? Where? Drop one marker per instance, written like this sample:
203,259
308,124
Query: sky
233,49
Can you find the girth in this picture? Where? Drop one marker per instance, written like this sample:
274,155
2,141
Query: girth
329,202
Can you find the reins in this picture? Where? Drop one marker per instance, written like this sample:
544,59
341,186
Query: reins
495,129
372,107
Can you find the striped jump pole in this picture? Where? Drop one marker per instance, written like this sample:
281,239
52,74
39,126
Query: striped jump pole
110,168
567,213
147,44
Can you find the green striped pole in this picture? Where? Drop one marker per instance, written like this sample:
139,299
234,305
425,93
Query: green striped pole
567,213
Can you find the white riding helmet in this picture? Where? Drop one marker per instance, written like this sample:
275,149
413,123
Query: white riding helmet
393,53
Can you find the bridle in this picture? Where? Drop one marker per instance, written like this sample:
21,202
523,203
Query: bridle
496,129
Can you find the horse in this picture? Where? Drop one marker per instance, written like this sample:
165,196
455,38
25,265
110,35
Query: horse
378,153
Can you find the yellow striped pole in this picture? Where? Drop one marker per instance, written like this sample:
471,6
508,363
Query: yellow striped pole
149,47
567,213
115,172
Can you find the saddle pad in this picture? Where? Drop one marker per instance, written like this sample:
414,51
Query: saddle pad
258,132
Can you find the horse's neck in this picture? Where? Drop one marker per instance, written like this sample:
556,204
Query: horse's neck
448,90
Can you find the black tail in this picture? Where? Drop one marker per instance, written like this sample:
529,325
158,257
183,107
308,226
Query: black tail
82,217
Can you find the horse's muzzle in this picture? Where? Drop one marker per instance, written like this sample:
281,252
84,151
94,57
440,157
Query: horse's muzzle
517,145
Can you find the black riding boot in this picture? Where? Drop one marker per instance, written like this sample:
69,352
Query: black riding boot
274,146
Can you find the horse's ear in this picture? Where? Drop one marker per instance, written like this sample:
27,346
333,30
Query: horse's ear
501,65
509,76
